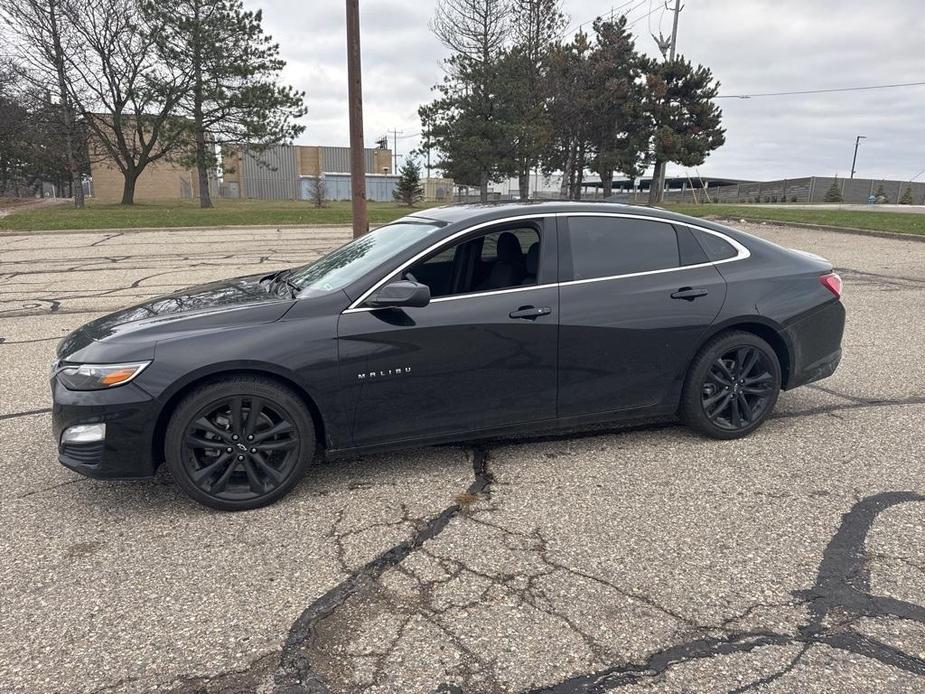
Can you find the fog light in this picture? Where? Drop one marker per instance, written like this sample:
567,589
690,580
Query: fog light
84,433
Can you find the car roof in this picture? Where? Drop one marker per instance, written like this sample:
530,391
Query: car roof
471,212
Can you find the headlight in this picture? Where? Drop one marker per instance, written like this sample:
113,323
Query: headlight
98,376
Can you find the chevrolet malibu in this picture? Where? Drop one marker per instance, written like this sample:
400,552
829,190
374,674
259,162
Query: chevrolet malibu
451,324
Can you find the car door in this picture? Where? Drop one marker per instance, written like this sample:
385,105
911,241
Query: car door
633,308
481,355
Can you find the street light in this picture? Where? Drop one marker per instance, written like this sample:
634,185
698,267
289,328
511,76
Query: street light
857,141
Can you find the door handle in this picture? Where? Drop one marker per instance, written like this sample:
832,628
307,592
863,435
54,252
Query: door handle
530,312
689,293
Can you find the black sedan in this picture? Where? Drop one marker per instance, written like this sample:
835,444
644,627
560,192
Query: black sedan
450,324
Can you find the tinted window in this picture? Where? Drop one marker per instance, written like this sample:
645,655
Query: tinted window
715,247
604,246
496,260
352,261
692,252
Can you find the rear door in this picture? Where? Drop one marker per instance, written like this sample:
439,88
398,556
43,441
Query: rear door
481,355
634,305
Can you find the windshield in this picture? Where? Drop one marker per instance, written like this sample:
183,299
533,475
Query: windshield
349,263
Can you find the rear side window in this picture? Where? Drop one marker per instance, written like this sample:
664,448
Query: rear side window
606,246
714,246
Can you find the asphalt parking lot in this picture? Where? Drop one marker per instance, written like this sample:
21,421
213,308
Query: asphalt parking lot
640,560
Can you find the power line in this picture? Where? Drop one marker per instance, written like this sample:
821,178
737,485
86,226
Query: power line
821,91
575,27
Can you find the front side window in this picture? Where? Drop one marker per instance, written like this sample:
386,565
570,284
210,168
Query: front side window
492,261
609,246
352,261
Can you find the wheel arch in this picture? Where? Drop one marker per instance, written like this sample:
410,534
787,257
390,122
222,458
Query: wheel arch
767,330
219,371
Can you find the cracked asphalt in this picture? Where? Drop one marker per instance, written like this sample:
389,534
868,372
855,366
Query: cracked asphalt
643,559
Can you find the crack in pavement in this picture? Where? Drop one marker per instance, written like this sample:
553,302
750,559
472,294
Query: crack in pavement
842,585
294,674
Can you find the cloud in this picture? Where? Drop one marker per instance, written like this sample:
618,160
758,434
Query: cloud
754,46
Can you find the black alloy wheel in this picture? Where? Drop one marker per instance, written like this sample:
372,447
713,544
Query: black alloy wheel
732,386
235,448
738,388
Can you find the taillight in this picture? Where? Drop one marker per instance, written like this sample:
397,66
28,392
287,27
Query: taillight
833,283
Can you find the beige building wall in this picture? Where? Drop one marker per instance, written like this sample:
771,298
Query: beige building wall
309,160
159,181
383,160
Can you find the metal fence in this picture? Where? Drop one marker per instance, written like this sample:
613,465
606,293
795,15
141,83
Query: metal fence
801,190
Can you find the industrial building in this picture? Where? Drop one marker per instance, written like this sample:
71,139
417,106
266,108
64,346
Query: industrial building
289,172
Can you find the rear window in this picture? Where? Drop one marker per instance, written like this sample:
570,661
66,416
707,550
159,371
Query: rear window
715,247
606,246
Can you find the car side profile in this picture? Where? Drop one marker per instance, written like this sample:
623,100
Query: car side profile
451,324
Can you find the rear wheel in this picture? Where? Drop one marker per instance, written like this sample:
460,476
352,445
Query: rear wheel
239,443
732,386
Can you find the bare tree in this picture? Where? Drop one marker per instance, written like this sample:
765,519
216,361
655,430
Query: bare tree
475,29
127,96
44,39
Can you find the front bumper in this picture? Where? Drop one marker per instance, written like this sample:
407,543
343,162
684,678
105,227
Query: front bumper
130,415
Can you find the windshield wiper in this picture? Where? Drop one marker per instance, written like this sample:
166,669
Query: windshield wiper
282,277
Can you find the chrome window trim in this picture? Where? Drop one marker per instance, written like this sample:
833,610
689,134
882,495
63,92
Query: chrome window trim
741,254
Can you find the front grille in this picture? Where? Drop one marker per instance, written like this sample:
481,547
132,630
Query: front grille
84,453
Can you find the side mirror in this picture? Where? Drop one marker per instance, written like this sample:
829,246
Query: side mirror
400,293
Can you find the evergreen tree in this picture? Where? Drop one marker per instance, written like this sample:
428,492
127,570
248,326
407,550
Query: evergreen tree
571,95
535,27
465,124
409,189
907,198
232,67
687,124
620,126
833,194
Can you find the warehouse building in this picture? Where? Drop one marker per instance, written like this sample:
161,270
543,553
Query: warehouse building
290,172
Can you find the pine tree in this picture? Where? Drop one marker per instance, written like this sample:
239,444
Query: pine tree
232,66
620,129
535,27
833,194
409,190
571,95
465,124
687,123
907,198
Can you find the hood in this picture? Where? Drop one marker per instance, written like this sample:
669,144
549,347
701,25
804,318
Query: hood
216,304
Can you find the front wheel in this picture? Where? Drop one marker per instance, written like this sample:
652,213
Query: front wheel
239,443
732,386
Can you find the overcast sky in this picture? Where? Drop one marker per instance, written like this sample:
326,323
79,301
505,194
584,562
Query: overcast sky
752,46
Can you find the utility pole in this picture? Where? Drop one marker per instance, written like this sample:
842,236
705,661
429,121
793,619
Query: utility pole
395,134
674,29
657,186
854,160
355,106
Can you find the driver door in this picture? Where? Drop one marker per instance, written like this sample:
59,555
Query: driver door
476,358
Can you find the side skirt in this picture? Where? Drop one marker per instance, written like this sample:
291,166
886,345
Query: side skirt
531,431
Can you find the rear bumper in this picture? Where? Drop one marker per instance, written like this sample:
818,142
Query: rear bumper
815,344
130,415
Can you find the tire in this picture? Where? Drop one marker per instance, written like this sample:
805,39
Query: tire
718,399
239,443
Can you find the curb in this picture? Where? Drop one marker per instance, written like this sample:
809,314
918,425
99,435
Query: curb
124,230
825,227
